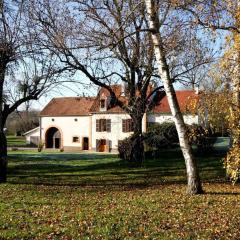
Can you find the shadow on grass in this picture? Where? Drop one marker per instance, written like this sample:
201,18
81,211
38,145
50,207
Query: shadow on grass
65,169
58,156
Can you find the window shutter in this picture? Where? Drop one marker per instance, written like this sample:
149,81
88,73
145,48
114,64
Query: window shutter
97,145
108,127
109,145
124,126
128,125
131,126
98,125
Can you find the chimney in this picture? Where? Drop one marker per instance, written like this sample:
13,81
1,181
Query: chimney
123,90
197,89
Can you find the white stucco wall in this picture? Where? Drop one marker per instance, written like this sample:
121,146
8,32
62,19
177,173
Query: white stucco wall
85,126
116,133
116,129
160,118
69,128
35,133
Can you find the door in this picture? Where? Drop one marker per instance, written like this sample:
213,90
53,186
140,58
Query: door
102,145
57,142
85,143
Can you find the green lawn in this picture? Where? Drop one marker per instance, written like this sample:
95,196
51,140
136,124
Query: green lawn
16,141
96,196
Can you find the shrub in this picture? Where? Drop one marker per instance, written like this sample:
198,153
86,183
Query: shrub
161,136
40,146
202,138
125,148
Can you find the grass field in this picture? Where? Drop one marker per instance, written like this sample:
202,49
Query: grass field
16,141
96,196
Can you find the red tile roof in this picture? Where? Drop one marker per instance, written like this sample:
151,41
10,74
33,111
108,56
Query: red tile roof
104,94
117,89
113,109
184,97
68,106
77,106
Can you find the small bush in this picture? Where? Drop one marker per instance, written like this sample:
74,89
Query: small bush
161,136
125,148
40,146
131,149
202,138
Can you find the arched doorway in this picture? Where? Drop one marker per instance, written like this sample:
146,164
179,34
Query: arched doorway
53,138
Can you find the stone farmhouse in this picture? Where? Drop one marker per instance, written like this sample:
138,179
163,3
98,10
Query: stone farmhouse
89,123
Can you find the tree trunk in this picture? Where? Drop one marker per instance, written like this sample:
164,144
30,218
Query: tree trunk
194,183
236,83
3,157
236,103
3,117
137,144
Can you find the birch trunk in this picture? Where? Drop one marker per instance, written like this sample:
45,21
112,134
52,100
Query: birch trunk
193,179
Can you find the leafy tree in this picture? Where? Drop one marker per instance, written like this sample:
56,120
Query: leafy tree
209,106
219,16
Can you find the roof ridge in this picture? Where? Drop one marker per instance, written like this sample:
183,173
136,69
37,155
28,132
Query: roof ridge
68,106
185,90
90,97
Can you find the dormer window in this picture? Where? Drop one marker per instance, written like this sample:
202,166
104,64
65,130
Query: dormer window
103,105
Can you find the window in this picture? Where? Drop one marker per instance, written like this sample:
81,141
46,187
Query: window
75,139
102,103
103,125
127,125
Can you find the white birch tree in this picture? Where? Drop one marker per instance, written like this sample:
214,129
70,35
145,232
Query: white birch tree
194,183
